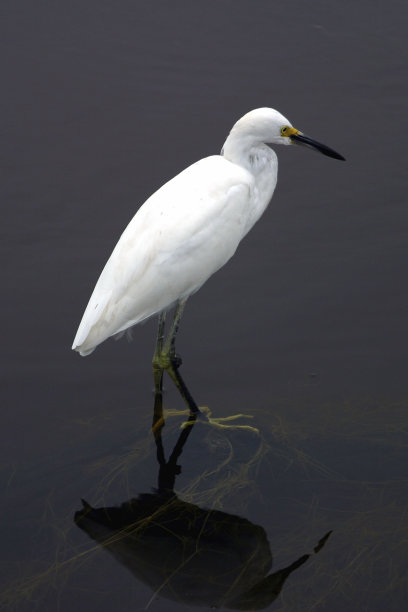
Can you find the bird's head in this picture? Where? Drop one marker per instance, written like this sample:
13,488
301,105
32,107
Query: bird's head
269,126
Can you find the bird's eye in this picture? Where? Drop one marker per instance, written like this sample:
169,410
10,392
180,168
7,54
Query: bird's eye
284,130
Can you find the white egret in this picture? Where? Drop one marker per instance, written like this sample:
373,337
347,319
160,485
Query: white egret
185,232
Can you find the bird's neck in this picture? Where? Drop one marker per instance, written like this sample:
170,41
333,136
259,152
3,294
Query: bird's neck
262,163
253,156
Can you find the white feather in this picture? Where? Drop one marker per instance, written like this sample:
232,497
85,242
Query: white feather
185,231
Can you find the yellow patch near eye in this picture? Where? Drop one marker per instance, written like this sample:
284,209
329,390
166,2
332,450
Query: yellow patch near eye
288,131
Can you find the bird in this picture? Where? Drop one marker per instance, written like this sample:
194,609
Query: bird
186,231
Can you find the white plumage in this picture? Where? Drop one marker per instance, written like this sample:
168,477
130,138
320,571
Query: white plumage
187,229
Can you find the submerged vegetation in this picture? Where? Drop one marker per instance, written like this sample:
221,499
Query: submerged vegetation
312,470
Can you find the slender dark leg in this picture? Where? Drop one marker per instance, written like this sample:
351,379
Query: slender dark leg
169,347
168,470
175,375
157,425
166,358
157,367
171,361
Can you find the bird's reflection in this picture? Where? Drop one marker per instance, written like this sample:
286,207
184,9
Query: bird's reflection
183,552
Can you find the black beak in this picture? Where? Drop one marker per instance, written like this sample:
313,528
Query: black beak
305,141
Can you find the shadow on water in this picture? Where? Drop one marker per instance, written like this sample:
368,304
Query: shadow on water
184,552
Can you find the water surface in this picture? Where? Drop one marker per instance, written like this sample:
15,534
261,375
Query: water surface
305,330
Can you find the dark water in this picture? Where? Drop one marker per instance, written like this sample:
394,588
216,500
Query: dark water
305,329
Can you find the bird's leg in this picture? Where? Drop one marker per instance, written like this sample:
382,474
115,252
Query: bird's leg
166,358
168,470
169,348
170,361
175,375
157,366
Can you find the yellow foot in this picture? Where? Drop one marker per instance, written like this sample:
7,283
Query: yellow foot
223,422
219,422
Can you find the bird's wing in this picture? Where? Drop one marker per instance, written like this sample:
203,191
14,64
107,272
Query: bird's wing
195,220
181,235
93,313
